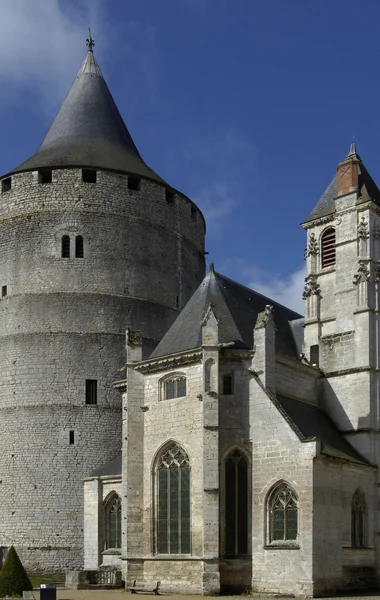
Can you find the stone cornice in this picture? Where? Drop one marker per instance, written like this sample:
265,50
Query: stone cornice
169,361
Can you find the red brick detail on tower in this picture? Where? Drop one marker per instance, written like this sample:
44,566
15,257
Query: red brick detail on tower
348,175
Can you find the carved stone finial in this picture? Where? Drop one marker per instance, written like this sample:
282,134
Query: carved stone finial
311,287
362,273
312,247
90,42
134,337
377,274
264,317
208,313
363,232
376,232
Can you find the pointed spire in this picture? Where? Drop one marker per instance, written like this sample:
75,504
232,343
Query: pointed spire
352,153
211,268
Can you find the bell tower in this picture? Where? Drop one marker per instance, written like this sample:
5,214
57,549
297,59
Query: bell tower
341,295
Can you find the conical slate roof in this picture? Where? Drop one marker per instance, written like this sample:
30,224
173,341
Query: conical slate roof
236,307
367,188
89,131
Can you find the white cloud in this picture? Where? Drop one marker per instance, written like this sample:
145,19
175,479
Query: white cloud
285,289
42,43
215,201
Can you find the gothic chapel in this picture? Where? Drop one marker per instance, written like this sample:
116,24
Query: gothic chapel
224,441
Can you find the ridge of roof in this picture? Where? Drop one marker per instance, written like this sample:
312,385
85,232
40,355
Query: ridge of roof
89,131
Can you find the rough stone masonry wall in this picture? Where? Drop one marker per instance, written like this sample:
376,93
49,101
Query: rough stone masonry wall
63,321
336,565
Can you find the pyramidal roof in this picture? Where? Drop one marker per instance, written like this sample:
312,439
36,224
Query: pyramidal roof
367,188
236,307
88,130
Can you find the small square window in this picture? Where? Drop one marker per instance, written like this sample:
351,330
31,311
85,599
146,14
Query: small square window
91,391
6,185
45,176
134,183
228,388
169,196
4,291
89,175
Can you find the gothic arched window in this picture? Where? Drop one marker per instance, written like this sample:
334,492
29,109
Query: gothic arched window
283,514
112,511
79,252
173,502
358,516
328,247
236,504
65,246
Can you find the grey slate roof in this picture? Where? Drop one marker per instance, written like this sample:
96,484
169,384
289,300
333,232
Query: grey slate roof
236,307
326,204
111,468
314,423
89,131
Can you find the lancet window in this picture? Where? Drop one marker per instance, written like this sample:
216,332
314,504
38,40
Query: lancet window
173,502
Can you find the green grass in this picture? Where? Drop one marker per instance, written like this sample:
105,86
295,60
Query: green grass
36,580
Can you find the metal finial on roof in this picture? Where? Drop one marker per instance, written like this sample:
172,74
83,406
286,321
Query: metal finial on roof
90,42
352,151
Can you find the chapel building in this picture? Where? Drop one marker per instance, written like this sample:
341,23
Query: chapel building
251,434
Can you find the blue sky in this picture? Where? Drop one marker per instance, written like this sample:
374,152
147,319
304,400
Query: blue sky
246,106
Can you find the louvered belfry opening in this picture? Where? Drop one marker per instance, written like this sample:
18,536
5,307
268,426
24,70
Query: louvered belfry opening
328,248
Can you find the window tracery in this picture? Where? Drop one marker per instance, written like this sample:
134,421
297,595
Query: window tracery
173,502
283,514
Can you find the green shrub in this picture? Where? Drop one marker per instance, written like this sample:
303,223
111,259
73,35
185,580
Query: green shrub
13,577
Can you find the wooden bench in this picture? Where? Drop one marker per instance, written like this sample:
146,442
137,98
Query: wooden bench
144,587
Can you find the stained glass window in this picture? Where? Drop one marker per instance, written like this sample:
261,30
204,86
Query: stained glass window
173,510
175,388
283,514
236,504
358,516
113,522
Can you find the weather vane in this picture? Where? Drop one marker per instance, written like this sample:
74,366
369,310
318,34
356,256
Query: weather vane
90,42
